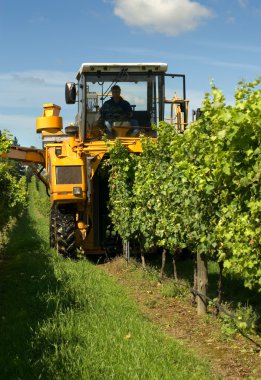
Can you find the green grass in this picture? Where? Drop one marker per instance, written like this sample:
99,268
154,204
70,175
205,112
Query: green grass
61,319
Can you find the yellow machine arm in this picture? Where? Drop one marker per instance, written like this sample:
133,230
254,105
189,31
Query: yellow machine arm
29,156
26,155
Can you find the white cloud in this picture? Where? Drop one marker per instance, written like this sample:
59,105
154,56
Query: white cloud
22,95
228,46
28,79
169,56
38,20
230,20
32,88
170,17
234,65
243,3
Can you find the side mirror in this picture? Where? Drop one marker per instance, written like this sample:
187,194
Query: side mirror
70,93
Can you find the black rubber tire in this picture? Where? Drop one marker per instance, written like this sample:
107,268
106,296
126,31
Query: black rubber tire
65,233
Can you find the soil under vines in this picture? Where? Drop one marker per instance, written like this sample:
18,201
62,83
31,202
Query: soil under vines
233,358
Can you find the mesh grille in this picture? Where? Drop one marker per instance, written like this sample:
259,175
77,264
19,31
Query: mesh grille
68,175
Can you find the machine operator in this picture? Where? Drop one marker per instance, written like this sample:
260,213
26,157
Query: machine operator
116,109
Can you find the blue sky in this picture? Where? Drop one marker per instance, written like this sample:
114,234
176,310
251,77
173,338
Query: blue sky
43,45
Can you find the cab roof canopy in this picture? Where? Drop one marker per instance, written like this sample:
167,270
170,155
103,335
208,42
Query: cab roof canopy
154,67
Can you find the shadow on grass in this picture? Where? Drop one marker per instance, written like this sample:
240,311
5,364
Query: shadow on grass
26,275
234,291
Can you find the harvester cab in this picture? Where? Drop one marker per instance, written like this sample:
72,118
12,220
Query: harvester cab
71,157
143,86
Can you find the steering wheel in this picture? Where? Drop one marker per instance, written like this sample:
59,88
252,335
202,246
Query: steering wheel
123,116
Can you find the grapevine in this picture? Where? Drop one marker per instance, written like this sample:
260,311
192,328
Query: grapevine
200,189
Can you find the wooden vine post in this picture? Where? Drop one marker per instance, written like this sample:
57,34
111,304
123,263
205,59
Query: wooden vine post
126,250
175,271
202,283
142,255
195,283
163,263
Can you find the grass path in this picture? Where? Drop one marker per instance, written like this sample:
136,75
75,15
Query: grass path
169,306
69,320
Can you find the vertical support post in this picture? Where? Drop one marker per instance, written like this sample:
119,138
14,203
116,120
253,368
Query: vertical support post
143,262
195,282
202,281
163,262
220,277
126,250
219,288
175,271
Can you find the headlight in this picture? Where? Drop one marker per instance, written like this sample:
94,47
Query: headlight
77,191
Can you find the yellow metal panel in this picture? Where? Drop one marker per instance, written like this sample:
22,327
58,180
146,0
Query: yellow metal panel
51,109
95,162
48,122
